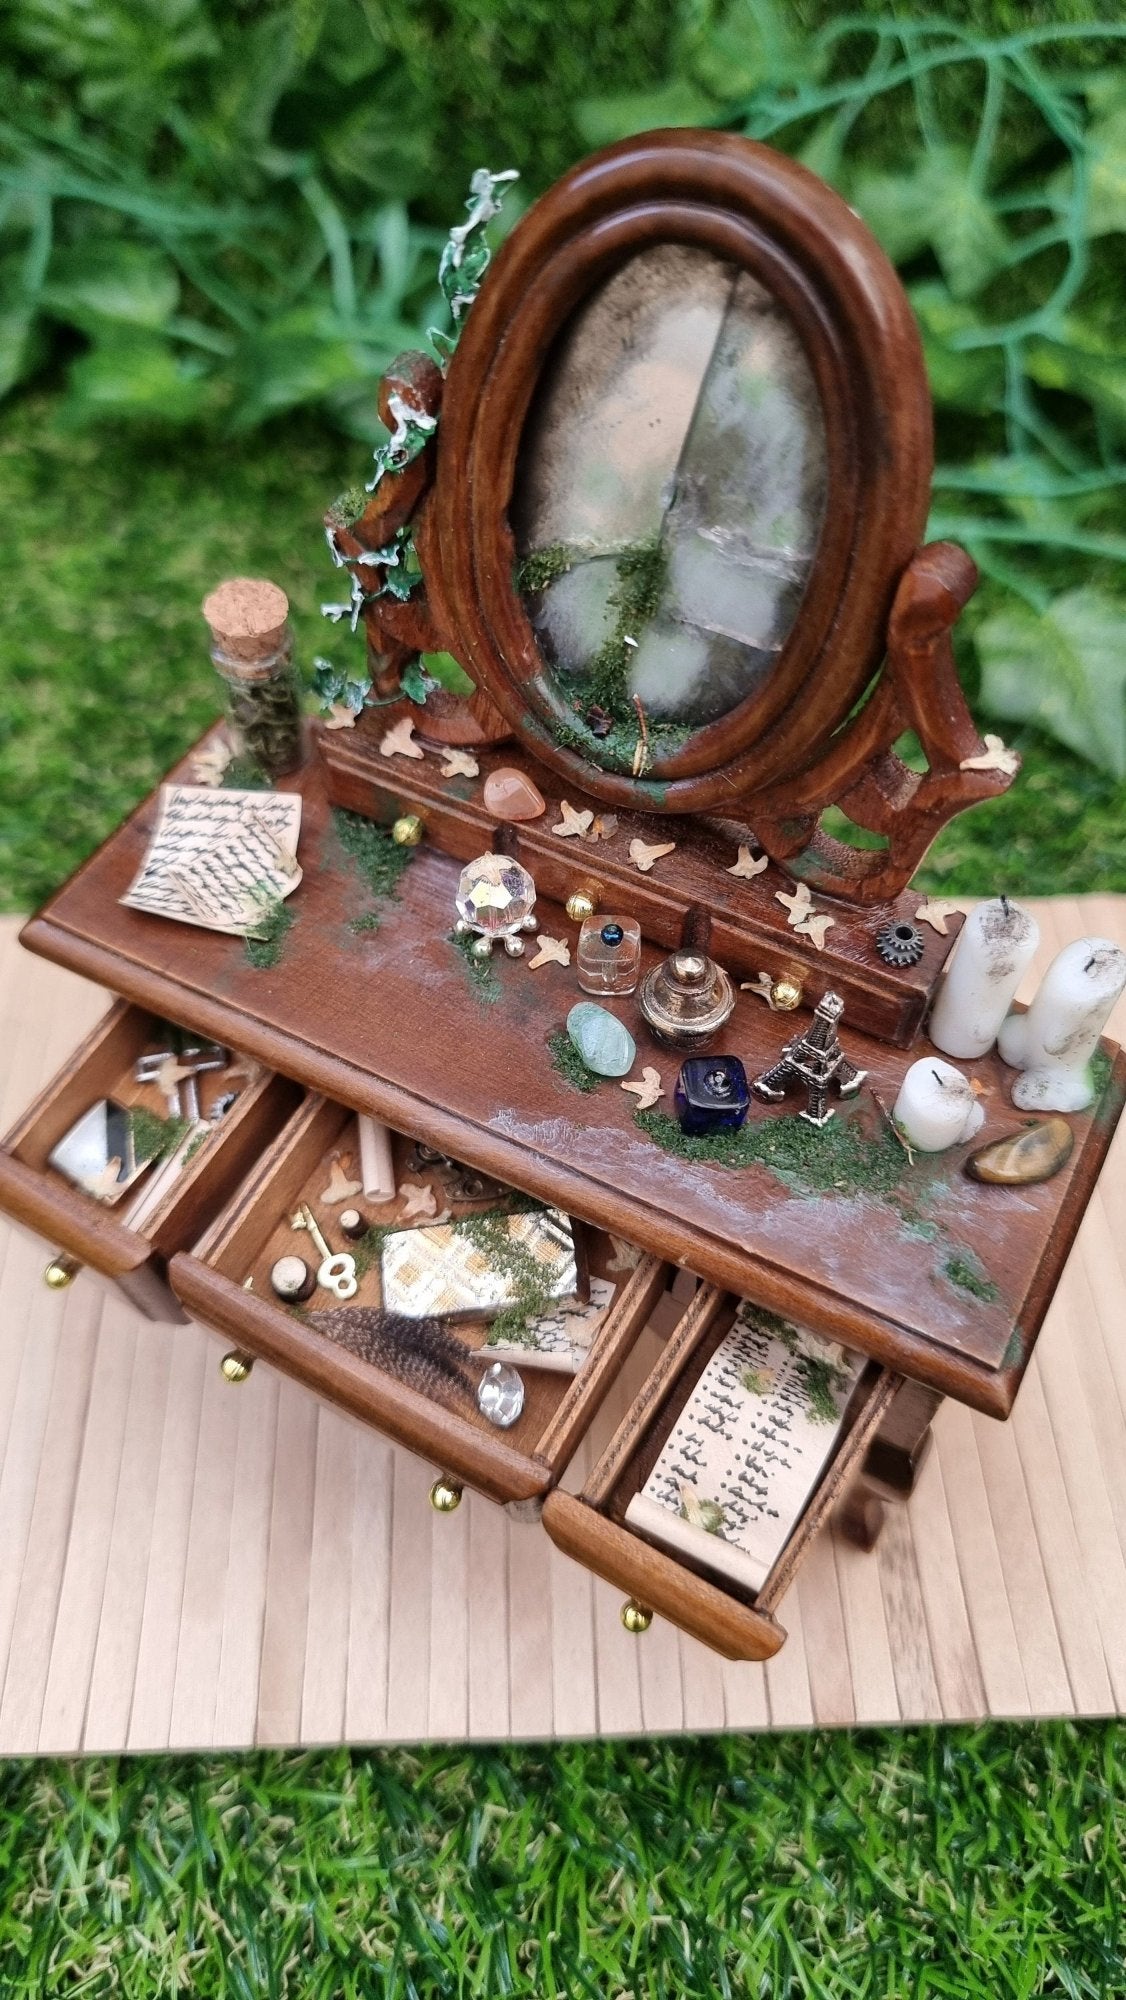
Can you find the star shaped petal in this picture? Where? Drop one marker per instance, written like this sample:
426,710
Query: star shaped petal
417,1200
647,1090
550,951
340,717
994,757
626,1256
459,764
645,857
747,864
572,825
815,928
762,986
399,740
340,1188
799,904
935,912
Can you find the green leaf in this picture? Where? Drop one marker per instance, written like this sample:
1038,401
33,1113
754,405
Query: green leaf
936,204
448,672
414,682
967,379
1064,671
1083,363
90,283
603,119
21,341
137,376
752,47
1106,164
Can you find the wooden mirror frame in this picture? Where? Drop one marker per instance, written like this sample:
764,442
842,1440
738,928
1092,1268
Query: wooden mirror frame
869,655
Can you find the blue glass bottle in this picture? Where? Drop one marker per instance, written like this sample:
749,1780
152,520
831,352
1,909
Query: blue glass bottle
712,1095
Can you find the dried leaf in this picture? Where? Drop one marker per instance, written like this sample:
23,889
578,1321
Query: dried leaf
645,857
572,824
935,912
550,951
417,1200
815,929
339,717
762,986
340,1188
994,757
399,740
648,1090
747,865
459,764
799,904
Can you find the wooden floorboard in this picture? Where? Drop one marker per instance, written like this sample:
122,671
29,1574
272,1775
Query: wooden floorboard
188,1565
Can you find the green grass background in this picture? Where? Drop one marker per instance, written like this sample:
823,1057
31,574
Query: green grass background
978,1864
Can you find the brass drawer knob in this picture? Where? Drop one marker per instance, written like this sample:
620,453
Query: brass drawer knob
636,1617
61,1271
408,830
581,904
235,1367
445,1496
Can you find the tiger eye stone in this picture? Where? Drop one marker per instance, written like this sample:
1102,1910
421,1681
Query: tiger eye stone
1033,1154
508,794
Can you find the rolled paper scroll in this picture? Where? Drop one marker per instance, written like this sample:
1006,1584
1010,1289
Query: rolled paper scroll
936,1107
377,1167
996,947
1054,1041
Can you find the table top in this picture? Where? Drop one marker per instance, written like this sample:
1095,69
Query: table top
940,1277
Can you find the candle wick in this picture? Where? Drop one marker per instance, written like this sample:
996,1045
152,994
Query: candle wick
1005,904
1089,964
938,1079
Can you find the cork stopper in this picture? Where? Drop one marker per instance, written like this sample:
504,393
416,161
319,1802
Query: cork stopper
247,616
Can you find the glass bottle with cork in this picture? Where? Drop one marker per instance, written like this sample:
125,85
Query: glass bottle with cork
252,651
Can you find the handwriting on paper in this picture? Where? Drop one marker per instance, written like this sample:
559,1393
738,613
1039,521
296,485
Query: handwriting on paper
218,858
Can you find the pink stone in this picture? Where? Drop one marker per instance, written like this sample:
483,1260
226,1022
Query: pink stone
508,794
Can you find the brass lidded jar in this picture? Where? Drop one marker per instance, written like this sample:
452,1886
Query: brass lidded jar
687,999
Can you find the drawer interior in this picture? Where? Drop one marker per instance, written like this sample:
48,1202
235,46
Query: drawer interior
320,1143
103,1067
632,1453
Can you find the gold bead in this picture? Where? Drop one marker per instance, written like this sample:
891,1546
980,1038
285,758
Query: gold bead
581,905
235,1367
636,1617
60,1272
445,1496
407,831
786,994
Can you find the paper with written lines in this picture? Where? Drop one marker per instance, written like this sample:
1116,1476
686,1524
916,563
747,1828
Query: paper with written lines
219,858
745,1452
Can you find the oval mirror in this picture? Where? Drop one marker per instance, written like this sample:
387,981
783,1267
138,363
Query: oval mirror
669,494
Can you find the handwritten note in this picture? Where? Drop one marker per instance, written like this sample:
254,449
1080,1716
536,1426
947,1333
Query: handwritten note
219,858
743,1456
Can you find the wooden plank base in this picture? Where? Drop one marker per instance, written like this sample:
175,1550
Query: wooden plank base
189,1565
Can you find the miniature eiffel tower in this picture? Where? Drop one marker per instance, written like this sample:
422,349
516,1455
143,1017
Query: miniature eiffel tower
814,1061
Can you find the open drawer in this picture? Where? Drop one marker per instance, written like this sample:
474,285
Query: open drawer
592,1525
225,1283
87,1231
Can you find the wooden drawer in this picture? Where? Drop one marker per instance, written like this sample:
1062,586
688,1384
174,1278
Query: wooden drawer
88,1232
591,1525
513,1466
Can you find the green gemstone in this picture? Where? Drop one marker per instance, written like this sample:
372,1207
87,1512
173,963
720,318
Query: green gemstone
604,1044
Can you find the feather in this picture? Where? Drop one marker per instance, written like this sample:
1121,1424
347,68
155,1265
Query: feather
420,1353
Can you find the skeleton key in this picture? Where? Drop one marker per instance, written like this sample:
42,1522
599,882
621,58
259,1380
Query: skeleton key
337,1272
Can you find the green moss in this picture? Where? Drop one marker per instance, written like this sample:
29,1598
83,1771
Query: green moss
347,507
568,1063
369,920
642,570
840,1158
378,860
264,948
544,567
154,1137
962,1268
819,1378
531,1295
482,978
367,1250
1099,1072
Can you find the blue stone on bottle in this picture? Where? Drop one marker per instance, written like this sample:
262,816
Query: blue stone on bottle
712,1095
605,1045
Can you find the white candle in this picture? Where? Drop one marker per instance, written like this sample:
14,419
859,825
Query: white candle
377,1168
996,945
1054,1041
936,1107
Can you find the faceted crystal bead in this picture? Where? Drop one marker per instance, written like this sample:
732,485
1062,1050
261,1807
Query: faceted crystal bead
495,895
500,1396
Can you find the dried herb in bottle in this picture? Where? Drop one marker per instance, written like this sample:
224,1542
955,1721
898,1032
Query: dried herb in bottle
252,650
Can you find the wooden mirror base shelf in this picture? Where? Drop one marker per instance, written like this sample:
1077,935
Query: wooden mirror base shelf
940,1281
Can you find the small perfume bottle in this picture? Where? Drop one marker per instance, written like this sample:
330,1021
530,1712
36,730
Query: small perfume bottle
711,1095
609,956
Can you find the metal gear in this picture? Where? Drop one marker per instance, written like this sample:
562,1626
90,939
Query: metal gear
900,943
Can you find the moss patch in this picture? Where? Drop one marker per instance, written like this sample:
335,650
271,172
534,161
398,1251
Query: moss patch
963,1270
378,860
531,1295
544,567
839,1158
264,948
482,978
568,1063
154,1137
635,599
244,775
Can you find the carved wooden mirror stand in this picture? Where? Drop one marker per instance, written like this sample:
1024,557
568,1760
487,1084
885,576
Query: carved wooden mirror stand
668,518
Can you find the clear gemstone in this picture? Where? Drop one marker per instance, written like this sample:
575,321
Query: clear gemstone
495,894
500,1396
